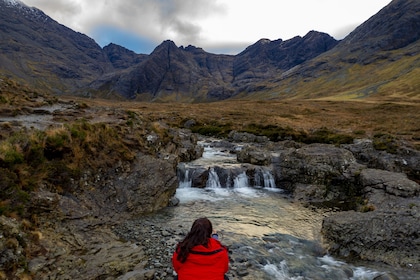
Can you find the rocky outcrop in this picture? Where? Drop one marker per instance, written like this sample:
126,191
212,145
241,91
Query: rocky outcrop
253,155
318,173
122,58
265,58
383,221
404,159
387,236
389,231
70,235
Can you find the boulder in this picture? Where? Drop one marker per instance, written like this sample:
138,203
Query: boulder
404,160
392,183
389,231
253,155
318,173
387,236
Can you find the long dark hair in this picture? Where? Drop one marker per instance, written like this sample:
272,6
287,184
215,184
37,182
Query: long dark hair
199,234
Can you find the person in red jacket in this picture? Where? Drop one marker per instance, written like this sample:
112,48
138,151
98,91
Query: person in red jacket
199,255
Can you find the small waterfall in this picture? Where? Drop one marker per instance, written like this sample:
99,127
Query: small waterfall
264,179
184,176
241,181
187,180
269,182
213,181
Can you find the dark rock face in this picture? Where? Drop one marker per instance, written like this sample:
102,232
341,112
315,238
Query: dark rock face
267,58
121,58
191,74
73,63
395,26
378,236
318,173
30,40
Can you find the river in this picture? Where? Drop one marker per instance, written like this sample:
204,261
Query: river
268,235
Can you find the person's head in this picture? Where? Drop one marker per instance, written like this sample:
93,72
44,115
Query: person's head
201,228
199,234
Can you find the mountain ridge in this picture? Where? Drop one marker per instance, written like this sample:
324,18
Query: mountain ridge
50,56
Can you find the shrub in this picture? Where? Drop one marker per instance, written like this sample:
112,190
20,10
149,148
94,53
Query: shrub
324,135
385,142
10,154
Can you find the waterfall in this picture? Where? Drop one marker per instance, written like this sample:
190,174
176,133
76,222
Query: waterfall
184,177
241,181
187,181
269,182
264,179
213,180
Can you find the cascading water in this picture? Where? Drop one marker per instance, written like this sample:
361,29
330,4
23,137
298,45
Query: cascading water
213,181
268,237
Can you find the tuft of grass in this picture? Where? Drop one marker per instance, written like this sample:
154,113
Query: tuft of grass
385,142
325,135
367,208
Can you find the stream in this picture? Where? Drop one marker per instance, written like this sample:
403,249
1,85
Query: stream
268,236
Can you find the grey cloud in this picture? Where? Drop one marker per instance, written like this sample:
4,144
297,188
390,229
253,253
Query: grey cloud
58,8
169,19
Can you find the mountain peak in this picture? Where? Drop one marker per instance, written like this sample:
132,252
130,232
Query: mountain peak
28,12
13,3
395,26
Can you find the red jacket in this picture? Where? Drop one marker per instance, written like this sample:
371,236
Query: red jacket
203,263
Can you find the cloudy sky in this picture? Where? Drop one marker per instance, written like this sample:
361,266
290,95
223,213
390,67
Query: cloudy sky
218,26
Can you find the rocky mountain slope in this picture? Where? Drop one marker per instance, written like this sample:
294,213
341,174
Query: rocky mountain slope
44,53
379,58
41,52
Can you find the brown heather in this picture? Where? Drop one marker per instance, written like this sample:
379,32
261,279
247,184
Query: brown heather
103,132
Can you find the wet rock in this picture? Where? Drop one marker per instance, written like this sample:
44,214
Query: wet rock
386,276
318,173
174,201
386,236
254,156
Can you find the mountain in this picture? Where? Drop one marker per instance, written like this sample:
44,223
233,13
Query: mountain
122,58
44,53
172,73
379,58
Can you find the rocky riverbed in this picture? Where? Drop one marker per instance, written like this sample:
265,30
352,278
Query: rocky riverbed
90,232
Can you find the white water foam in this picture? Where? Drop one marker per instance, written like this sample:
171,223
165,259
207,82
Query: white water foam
359,273
280,272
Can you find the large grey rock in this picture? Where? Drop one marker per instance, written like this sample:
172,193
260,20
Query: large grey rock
390,237
390,182
253,155
405,160
389,232
318,173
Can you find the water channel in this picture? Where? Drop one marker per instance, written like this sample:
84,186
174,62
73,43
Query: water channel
269,236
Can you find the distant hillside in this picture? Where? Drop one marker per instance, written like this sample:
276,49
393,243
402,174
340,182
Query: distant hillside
172,73
44,53
380,57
